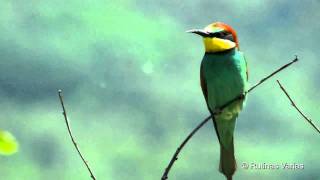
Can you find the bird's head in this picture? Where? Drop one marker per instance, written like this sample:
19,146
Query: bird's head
217,37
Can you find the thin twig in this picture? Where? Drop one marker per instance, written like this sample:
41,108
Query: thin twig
294,105
272,74
241,96
71,136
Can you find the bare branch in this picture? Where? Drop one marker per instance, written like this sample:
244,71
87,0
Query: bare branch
241,96
71,136
275,72
294,105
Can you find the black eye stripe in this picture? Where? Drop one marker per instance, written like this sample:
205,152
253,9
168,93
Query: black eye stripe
220,34
229,37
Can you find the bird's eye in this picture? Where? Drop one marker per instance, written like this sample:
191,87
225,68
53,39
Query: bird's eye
216,34
220,34
229,37
223,33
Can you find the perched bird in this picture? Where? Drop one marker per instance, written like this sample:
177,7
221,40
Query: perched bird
223,77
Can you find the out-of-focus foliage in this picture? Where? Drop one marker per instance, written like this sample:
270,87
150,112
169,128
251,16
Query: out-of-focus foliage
130,77
8,143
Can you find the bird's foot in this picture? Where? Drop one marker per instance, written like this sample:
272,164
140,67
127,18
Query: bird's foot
242,96
218,111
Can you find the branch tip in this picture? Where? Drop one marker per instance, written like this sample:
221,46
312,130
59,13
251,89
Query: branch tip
296,107
71,136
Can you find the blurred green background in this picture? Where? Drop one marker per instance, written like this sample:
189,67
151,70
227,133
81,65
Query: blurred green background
130,77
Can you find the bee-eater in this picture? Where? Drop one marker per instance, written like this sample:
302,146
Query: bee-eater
223,77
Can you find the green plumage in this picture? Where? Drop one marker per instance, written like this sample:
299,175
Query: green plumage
224,77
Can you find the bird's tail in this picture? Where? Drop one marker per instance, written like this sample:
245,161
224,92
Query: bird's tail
227,161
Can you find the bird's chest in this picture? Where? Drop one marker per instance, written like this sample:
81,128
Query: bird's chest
224,79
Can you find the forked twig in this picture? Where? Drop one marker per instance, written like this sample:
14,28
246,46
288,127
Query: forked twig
71,136
241,96
295,106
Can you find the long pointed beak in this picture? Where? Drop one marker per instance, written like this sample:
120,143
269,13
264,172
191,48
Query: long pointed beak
200,32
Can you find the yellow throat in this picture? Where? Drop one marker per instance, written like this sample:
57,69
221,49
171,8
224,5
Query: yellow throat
217,45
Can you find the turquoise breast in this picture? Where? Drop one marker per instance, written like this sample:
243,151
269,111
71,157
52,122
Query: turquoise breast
225,76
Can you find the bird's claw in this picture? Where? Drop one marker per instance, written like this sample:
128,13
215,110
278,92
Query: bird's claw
242,96
218,111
